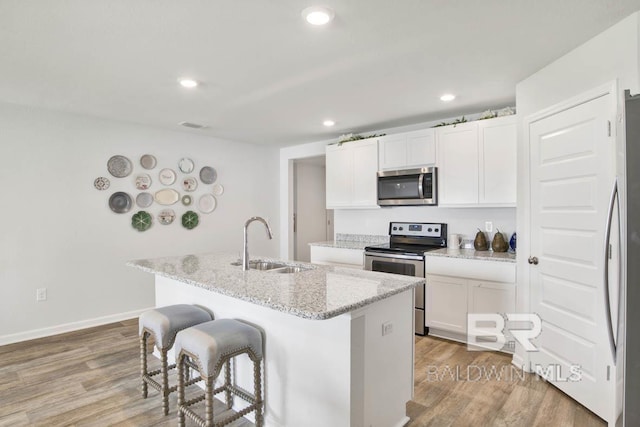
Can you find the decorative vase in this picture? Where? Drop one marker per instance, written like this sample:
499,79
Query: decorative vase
512,242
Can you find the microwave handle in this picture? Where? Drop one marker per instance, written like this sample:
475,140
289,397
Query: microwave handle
420,189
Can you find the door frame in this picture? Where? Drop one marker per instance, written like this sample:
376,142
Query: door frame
523,292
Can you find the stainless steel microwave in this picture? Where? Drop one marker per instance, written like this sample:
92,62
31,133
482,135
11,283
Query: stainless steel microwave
408,187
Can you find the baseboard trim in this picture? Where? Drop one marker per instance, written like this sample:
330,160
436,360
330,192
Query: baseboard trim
68,327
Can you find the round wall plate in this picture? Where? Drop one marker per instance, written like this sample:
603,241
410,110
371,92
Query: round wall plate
167,176
185,165
190,220
189,183
207,203
141,220
148,161
119,166
101,183
120,202
144,200
143,181
166,216
208,175
218,190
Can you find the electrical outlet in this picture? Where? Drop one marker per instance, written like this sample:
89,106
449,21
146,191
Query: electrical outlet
387,328
41,294
488,226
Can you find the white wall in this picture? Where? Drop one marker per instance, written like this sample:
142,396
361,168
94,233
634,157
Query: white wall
58,232
460,221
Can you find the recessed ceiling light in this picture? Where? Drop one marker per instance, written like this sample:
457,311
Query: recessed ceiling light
188,83
447,97
328,123
318,15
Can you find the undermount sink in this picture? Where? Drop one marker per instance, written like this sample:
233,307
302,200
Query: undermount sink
273,267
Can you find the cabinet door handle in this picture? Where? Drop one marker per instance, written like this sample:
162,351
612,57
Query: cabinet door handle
533,260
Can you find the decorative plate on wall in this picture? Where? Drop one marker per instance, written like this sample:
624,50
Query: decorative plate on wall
168,196
148,161
144,200
185,165
218,189
101,183
141,220
186,200
120,202
119,166
208,175
189,220
166,216
189,183
167,176
207,203
143,181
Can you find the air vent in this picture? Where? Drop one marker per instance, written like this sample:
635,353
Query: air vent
192,125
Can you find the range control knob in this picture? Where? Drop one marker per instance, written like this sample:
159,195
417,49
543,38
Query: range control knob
436,230
395,228
400,228
428,229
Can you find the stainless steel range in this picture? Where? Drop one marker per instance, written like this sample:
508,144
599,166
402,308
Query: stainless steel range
404,254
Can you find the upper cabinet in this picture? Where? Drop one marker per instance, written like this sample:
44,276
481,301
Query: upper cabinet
477,163
352,174
407,150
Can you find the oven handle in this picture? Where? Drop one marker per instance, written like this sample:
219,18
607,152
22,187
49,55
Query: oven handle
420,189
396,256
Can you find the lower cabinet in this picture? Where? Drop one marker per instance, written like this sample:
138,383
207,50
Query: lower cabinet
449,300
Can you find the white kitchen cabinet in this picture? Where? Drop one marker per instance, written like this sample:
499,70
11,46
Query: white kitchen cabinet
497,150
458,164
351,175
458,286
446,303
407,150
477,163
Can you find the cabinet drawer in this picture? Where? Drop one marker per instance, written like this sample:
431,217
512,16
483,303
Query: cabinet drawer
495,271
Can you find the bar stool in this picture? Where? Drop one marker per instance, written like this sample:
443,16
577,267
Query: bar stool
163,324
211,345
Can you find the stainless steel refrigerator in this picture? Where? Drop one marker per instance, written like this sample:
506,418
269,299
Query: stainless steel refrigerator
628,331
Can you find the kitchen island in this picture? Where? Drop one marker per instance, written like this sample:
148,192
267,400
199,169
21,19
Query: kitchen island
338,341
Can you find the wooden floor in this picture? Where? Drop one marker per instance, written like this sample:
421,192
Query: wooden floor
91,378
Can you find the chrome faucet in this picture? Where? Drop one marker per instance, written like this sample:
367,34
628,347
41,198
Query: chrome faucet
245,248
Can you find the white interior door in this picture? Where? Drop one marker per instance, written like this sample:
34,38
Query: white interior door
572,176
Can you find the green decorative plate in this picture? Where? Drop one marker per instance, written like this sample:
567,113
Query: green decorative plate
189,220
141,220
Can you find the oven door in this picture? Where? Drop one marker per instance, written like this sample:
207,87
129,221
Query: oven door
405,265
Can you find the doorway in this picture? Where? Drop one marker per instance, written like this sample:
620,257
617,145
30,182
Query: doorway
312,222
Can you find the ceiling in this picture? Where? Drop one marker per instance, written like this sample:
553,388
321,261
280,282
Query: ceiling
270,78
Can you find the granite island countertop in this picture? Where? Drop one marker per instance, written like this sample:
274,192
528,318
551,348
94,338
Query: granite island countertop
473,254
319,293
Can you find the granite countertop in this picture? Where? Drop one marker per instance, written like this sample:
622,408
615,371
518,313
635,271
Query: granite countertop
352,241
322,292
473,254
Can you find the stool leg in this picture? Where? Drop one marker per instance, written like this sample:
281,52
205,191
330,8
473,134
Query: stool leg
165,381
227,383
257,384
209,401
181,382
143,363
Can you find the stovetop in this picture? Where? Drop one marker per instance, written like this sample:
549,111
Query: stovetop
412,238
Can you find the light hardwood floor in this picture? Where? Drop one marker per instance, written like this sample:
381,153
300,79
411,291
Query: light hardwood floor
91,378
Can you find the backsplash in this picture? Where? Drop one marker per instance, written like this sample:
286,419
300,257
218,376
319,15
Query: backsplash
364,238
463,221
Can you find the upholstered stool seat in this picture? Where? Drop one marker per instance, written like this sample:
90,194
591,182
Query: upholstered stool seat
163,324
209,346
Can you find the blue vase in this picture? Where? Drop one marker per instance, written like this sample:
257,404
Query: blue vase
512,242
